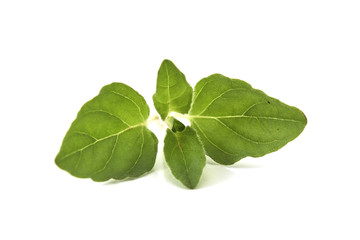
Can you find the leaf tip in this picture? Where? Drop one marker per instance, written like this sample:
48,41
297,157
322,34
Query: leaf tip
166,61
191,187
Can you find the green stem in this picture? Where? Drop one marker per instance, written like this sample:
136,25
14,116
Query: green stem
152,118
179,115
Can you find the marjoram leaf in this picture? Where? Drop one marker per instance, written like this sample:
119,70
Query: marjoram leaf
229,120
234,120
174,124
109,138
173,92
184,155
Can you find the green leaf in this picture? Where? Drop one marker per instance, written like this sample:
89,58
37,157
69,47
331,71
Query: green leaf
173,92
177,126
109,137
234,120
184,155
174,124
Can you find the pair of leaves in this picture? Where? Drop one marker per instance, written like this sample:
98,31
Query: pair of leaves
232,120
229,121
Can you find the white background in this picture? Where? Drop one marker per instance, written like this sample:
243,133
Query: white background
56,55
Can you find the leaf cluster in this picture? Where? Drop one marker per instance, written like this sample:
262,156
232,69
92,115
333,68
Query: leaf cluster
230,120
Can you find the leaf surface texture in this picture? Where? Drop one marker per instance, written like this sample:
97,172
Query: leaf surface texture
184,155
109,138
235,120
173,92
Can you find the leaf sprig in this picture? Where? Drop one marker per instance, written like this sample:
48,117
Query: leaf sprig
229,120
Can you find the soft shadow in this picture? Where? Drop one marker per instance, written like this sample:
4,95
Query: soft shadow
244,165
114,181
240,164
214,174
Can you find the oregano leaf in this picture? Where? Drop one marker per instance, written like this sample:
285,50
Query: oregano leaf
109,138
174,124
173,92
233,120
185,156
229,120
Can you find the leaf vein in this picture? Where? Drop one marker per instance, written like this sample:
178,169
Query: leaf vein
183,157
138,107
213,142
242,136
101,139
242,116
109,159
201,89
168,88
218,98
168,102
102,111
85,134
78,162
140,153
249,108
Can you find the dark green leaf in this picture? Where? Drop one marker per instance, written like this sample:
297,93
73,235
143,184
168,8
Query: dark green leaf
109,137
177,126
234,120
173,92
185,156
174,124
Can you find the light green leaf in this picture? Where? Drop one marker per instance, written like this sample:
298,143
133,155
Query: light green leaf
173,92
184,155
109,137
234,120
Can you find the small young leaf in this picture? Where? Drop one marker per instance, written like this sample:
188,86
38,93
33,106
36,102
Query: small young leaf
177,126
184,155
173,92
234,120
109,138
174,124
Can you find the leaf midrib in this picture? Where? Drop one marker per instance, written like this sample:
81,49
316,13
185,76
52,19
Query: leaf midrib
244,116
168,88
172,100
104,138
183,157
216,98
